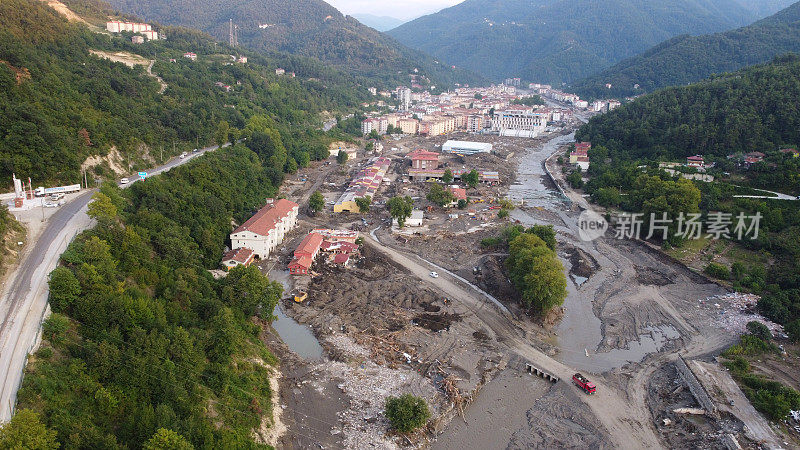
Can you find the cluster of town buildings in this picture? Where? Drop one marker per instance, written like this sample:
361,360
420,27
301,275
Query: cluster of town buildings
262,233
425,166
547,91
477,110
365,184
338,245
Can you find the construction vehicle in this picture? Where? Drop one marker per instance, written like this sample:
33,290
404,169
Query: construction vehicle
583,383
300,297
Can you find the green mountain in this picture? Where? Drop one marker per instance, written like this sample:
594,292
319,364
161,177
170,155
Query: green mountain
62,103
310,28
566,40
754,109
686,59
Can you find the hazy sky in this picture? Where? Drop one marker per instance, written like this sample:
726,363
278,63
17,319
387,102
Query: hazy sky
401,9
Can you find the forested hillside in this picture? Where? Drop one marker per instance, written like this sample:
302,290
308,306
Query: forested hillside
310,28
143,341
566,40
686,59
60,103
754,109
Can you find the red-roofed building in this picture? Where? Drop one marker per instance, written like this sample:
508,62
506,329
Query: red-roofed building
238,257
423,159
309,247
695,161
342,259
266,229
300,266
583,147
305,254
458,193
790,151
754,157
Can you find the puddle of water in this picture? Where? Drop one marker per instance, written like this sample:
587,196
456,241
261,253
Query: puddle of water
578,280
299,338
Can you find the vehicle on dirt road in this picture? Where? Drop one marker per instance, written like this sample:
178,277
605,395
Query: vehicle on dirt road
584,383
434,275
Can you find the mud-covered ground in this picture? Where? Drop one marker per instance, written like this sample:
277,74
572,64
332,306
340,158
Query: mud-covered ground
668,392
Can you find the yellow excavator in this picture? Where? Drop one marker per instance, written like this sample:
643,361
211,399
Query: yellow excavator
300,297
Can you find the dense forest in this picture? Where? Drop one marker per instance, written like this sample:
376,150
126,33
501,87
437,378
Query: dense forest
61,104
559,41
687,59
309,28
754,109
143,341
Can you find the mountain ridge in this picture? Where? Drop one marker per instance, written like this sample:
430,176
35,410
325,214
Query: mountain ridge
310,28
685,59
564,40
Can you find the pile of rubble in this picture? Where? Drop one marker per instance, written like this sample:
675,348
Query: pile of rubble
736,310
368,385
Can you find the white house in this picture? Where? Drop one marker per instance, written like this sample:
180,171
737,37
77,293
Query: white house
414,221
263,232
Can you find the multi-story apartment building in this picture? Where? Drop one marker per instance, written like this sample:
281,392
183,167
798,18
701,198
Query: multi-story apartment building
263,232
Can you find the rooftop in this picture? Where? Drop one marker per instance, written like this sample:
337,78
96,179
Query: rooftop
240,255
267,217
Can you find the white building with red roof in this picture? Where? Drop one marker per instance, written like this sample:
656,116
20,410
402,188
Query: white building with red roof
263,232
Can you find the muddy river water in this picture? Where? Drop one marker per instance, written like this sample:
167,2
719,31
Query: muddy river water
299,338
579,333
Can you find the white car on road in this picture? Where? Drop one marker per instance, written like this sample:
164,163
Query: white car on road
124,181
434,275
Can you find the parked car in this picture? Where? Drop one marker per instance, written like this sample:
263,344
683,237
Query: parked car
434,275
183,155
194,151
124,181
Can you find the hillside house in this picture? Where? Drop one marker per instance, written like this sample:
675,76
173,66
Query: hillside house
695,161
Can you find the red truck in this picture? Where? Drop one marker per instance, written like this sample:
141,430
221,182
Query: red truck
583,383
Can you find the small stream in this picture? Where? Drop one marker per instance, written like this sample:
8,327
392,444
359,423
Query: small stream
299,338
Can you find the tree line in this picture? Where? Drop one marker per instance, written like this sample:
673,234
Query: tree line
144,344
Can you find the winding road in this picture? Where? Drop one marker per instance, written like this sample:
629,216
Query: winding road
24,299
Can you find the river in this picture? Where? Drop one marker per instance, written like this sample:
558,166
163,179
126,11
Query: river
579,333
299,338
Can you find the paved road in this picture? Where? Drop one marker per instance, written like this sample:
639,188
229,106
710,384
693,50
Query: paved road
24,299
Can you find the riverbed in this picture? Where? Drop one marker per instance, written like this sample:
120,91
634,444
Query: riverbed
579,333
